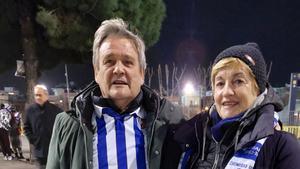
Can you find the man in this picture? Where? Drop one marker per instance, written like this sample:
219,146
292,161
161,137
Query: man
38,124
116,122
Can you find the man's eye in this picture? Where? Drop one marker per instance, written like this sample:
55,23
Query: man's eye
128,62
108,61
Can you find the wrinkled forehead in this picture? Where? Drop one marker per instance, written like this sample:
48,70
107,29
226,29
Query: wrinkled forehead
38,90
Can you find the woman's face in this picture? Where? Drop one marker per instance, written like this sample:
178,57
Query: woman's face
234,91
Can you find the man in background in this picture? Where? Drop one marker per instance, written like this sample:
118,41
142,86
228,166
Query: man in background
39,120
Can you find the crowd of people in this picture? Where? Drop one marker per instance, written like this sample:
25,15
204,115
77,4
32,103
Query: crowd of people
119,122
10,131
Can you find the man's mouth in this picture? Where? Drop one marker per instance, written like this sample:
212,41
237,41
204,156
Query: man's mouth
119,82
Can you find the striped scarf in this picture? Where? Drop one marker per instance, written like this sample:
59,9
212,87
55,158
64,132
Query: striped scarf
119,141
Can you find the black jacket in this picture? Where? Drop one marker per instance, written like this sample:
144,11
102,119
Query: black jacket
281,150
38,126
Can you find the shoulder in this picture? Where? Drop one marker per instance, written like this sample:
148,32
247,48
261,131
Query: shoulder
54,107
172,113
282,138
186,132
65,121
282,150
32,107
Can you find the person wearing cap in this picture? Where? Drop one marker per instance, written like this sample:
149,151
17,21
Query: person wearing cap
238,130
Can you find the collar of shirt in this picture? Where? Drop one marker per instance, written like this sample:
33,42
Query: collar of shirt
106,102
140,112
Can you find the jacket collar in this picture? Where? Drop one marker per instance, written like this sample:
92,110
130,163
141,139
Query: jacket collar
105,102
84,108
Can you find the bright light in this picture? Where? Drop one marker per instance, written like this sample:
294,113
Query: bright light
60,101
188,89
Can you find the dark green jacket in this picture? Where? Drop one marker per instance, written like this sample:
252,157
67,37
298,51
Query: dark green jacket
71,145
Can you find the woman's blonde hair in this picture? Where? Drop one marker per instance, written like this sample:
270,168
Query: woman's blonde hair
233,63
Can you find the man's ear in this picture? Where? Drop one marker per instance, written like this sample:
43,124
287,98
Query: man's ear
96,71
143,76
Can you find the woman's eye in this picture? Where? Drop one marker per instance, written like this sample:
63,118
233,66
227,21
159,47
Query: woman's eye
219,84
239,81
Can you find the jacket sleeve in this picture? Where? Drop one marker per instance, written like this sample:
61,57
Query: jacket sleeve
28,127
288,151
67,149
54,155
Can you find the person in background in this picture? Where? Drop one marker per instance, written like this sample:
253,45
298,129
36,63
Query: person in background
15,133
5,126
238,131
38,125
116,121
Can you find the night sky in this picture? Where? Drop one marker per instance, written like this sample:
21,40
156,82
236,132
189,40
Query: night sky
195,31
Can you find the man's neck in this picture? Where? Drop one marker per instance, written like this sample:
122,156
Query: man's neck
122,104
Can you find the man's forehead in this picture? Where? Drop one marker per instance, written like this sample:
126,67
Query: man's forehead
39,91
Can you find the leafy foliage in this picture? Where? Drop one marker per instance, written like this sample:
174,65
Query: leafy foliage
65,28
70,24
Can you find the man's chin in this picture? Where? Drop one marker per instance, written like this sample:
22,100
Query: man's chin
119,94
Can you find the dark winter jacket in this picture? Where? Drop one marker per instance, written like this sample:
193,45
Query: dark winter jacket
38,125
71,146
281,150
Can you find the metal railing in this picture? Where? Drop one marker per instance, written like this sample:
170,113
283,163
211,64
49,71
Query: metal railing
293,129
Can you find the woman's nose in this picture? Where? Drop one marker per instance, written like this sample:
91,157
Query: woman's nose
228,90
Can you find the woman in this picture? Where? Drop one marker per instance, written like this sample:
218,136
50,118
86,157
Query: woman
238,130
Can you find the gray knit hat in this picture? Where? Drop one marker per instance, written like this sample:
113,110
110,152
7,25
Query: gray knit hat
252,56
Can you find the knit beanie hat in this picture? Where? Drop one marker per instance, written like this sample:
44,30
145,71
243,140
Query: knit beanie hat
252,56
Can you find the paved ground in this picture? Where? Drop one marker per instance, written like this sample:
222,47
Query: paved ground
18,164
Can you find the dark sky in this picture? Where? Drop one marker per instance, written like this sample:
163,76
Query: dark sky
195,31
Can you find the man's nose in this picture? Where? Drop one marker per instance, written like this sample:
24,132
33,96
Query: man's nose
119,68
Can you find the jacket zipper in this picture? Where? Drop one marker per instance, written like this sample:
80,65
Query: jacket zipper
217,156
198,143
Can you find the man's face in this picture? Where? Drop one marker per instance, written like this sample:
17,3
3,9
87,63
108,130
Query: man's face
40,96
118,72
234,91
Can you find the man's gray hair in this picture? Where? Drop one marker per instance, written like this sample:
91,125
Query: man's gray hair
119,28
41,86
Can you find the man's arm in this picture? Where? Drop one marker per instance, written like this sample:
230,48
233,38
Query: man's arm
54,146
28,127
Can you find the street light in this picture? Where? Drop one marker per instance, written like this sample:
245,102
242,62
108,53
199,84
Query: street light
188,89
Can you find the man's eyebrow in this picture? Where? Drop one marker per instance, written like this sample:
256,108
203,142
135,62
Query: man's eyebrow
128,57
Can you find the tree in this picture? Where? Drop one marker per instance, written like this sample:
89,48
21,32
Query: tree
48,32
